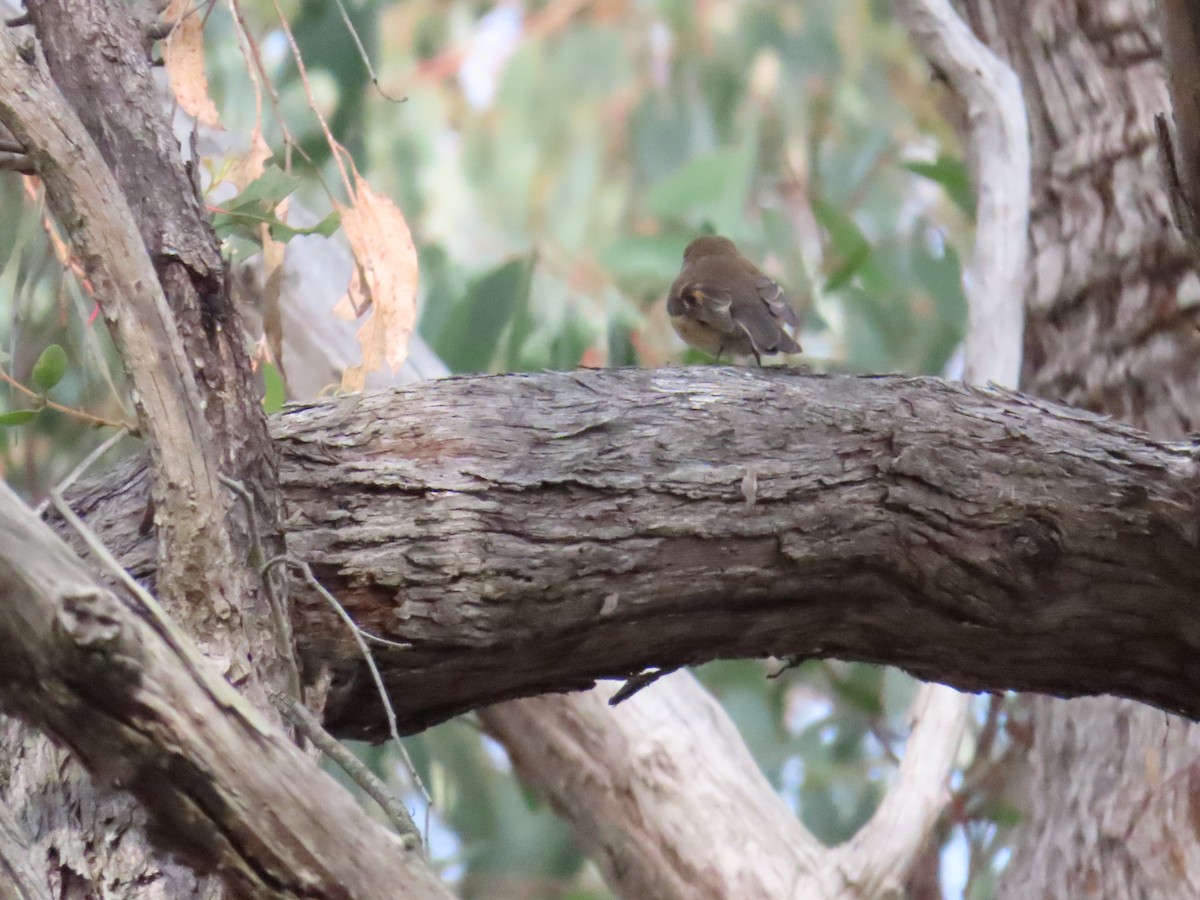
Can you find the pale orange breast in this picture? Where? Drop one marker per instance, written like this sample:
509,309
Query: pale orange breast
704,337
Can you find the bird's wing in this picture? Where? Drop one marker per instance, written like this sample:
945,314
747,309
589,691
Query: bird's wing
705,302
761,316
772,295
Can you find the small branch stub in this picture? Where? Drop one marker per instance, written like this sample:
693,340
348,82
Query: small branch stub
90,618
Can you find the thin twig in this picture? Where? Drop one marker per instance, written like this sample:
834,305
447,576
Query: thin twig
76,473
305,722
387,642
335,149
43,400
362,54
638,682
377,677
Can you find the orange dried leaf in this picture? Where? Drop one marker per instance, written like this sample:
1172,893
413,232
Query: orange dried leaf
183,56
272,311
354,379
385,279
250,164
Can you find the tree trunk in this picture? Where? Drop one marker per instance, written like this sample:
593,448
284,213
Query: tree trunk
117,185
1112,304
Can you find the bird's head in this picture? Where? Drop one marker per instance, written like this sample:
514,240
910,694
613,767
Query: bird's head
709,245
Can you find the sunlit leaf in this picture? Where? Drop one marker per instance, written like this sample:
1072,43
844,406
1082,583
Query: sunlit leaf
384,281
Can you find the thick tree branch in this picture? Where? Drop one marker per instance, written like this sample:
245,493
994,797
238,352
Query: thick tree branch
998,144
618,773
224,787
530,533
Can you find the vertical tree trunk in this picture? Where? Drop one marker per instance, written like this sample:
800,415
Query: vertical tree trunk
1112,307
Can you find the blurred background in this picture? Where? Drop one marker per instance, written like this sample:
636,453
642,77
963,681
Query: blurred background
552,160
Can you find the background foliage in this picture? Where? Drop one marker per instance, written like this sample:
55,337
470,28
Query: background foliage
553,159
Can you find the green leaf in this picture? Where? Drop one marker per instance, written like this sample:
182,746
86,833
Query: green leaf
50,368
942,327
240,248
1002,814
469,339
712,187
860,688
848,268
273,396
645,265
850,248
270,188
255,206
281,231
17,417
952,175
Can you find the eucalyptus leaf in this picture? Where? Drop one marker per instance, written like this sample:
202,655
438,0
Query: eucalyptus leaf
951,173
470,337
274,394
17,417
50,368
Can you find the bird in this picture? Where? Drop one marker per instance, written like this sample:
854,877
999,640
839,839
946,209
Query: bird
722,303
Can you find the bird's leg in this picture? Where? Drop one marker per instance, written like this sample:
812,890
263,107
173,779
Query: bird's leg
757,358
720,350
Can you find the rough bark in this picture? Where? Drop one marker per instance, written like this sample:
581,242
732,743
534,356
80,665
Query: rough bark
119,188
138,705
1180,147
1112,298
1112,304
138,227
523,534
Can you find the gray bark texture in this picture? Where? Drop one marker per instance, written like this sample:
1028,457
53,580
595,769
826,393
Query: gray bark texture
529,533
79,97
1113,303
144,712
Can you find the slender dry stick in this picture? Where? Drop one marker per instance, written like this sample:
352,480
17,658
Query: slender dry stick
377,677
299,715
76,473
336,150
362,54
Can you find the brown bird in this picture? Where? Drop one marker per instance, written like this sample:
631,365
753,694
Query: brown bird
721,302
